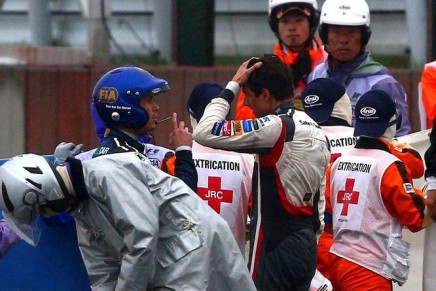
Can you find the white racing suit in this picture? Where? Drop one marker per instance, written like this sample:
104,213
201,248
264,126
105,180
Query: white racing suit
293,155
142,229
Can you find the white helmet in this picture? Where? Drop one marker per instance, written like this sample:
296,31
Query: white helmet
275,3
27,182
345,12
281,7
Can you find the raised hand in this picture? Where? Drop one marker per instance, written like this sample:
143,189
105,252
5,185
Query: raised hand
180,135
244,73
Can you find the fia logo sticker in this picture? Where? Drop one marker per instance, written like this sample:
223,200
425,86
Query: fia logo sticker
107,95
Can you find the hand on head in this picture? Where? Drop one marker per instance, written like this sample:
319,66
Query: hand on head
244,73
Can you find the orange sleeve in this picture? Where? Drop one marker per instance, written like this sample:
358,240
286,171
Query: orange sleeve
400,198
411,158
428,83
168,164
243,111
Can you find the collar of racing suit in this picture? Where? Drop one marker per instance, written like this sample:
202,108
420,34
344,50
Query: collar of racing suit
115,133
284,108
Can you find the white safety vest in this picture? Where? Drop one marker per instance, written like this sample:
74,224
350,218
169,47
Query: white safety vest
224,181
340,138
364,232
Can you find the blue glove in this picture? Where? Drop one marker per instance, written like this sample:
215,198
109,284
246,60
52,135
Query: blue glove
66,150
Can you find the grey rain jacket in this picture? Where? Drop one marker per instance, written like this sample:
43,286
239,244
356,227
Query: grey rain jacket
142,229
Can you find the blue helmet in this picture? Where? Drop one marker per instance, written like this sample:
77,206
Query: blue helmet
116,96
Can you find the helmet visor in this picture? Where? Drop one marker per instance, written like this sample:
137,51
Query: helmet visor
28,232
284,11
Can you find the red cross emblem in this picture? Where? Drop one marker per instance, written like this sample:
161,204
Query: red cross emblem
214,195
347,196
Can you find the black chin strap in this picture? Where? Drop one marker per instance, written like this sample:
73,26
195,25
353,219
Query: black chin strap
78,180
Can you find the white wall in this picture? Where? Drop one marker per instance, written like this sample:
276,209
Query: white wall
241,26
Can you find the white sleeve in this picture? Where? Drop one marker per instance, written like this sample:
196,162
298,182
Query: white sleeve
249,136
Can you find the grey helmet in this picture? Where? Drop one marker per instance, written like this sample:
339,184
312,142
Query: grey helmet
29,181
